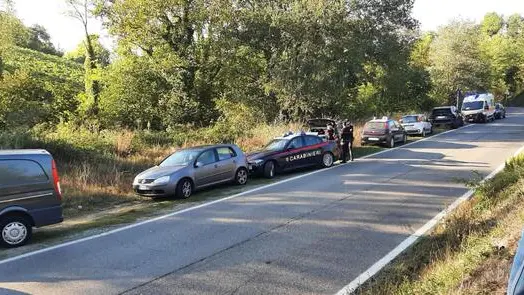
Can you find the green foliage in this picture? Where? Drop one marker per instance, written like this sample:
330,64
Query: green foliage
131,94
22,101
456,62
492,24
39,39
103,56
289,59
236,120
59,78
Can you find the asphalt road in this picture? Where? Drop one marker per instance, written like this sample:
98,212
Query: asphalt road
310,235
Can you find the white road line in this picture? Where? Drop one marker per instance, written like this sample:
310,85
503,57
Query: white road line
44,250
379,265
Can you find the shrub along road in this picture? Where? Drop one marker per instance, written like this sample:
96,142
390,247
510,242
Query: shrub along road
312,234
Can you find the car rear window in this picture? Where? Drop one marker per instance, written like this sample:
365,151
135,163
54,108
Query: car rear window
20,172
441,112
409,119
375,126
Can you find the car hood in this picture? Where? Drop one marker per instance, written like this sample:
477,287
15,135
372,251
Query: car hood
260,154
157,171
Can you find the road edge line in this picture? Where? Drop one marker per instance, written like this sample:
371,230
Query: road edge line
137,224
409,241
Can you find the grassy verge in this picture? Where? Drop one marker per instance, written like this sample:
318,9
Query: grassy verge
468,253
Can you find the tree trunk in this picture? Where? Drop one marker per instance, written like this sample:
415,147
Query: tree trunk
92,87
1,68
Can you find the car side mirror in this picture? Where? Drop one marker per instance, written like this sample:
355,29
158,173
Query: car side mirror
199,164
486,108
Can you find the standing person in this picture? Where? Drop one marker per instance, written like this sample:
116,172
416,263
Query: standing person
347,142
331,132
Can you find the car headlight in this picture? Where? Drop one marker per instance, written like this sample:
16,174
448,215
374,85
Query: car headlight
257,162
162,180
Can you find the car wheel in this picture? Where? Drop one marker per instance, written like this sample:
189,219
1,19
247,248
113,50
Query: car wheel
504,116
241,176
184,189
391,142
16,231
327,160
269,169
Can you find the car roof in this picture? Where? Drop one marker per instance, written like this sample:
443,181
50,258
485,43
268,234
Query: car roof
294,135
381,120
24,152
442,108
203,147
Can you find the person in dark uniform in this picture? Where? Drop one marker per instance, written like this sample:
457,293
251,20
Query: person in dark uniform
347,142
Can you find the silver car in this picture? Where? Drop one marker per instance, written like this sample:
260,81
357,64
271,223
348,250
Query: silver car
191,169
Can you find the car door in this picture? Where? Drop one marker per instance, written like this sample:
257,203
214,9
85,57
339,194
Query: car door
425,122
313,150
393,130
206,168
291,158
400,131
23,183
226,163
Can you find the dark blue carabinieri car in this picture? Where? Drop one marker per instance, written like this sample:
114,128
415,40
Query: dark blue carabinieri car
292,152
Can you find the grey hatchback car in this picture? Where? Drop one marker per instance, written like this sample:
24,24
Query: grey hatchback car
191,169
29,194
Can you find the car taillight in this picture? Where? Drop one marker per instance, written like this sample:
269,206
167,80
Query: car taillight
56,181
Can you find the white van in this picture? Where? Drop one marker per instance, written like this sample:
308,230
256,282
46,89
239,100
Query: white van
479,108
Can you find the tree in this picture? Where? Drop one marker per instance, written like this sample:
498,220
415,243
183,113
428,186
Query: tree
131,94
456,61
40,40
515,26
102,55
492,24
23,102
82,11
12,31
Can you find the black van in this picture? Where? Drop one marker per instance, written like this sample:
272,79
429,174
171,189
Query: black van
29,194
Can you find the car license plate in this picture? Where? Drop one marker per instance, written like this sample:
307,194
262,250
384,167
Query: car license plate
142,187
441,117
373,139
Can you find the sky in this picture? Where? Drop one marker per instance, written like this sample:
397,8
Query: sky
67,33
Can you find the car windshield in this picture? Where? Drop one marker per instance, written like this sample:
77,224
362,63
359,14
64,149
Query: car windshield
409,119
276,145
184,157
441,112
472,105
375,126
